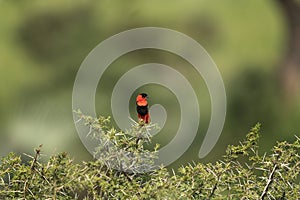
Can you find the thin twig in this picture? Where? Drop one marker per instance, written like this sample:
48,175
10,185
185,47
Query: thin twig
269,181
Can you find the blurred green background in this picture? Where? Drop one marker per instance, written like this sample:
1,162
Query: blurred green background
42,44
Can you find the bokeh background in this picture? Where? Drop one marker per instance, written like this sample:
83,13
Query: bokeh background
255,44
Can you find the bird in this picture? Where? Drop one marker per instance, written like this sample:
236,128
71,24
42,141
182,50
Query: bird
142,108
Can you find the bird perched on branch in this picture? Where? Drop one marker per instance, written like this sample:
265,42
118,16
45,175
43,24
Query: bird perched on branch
142,108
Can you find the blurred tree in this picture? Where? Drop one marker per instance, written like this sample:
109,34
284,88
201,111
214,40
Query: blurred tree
290,68
59,40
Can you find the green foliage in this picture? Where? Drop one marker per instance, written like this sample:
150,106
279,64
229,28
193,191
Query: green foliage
120,150
244,173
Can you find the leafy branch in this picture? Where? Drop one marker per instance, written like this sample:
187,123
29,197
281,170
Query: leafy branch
119,171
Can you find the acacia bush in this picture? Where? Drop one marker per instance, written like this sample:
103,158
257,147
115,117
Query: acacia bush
243,173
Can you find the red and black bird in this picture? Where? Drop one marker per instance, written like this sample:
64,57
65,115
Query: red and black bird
142,108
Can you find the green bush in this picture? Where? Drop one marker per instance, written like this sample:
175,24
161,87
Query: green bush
243,173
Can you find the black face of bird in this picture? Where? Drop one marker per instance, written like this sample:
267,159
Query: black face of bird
144,95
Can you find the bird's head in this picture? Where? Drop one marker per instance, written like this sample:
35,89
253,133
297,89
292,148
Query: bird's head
141,99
